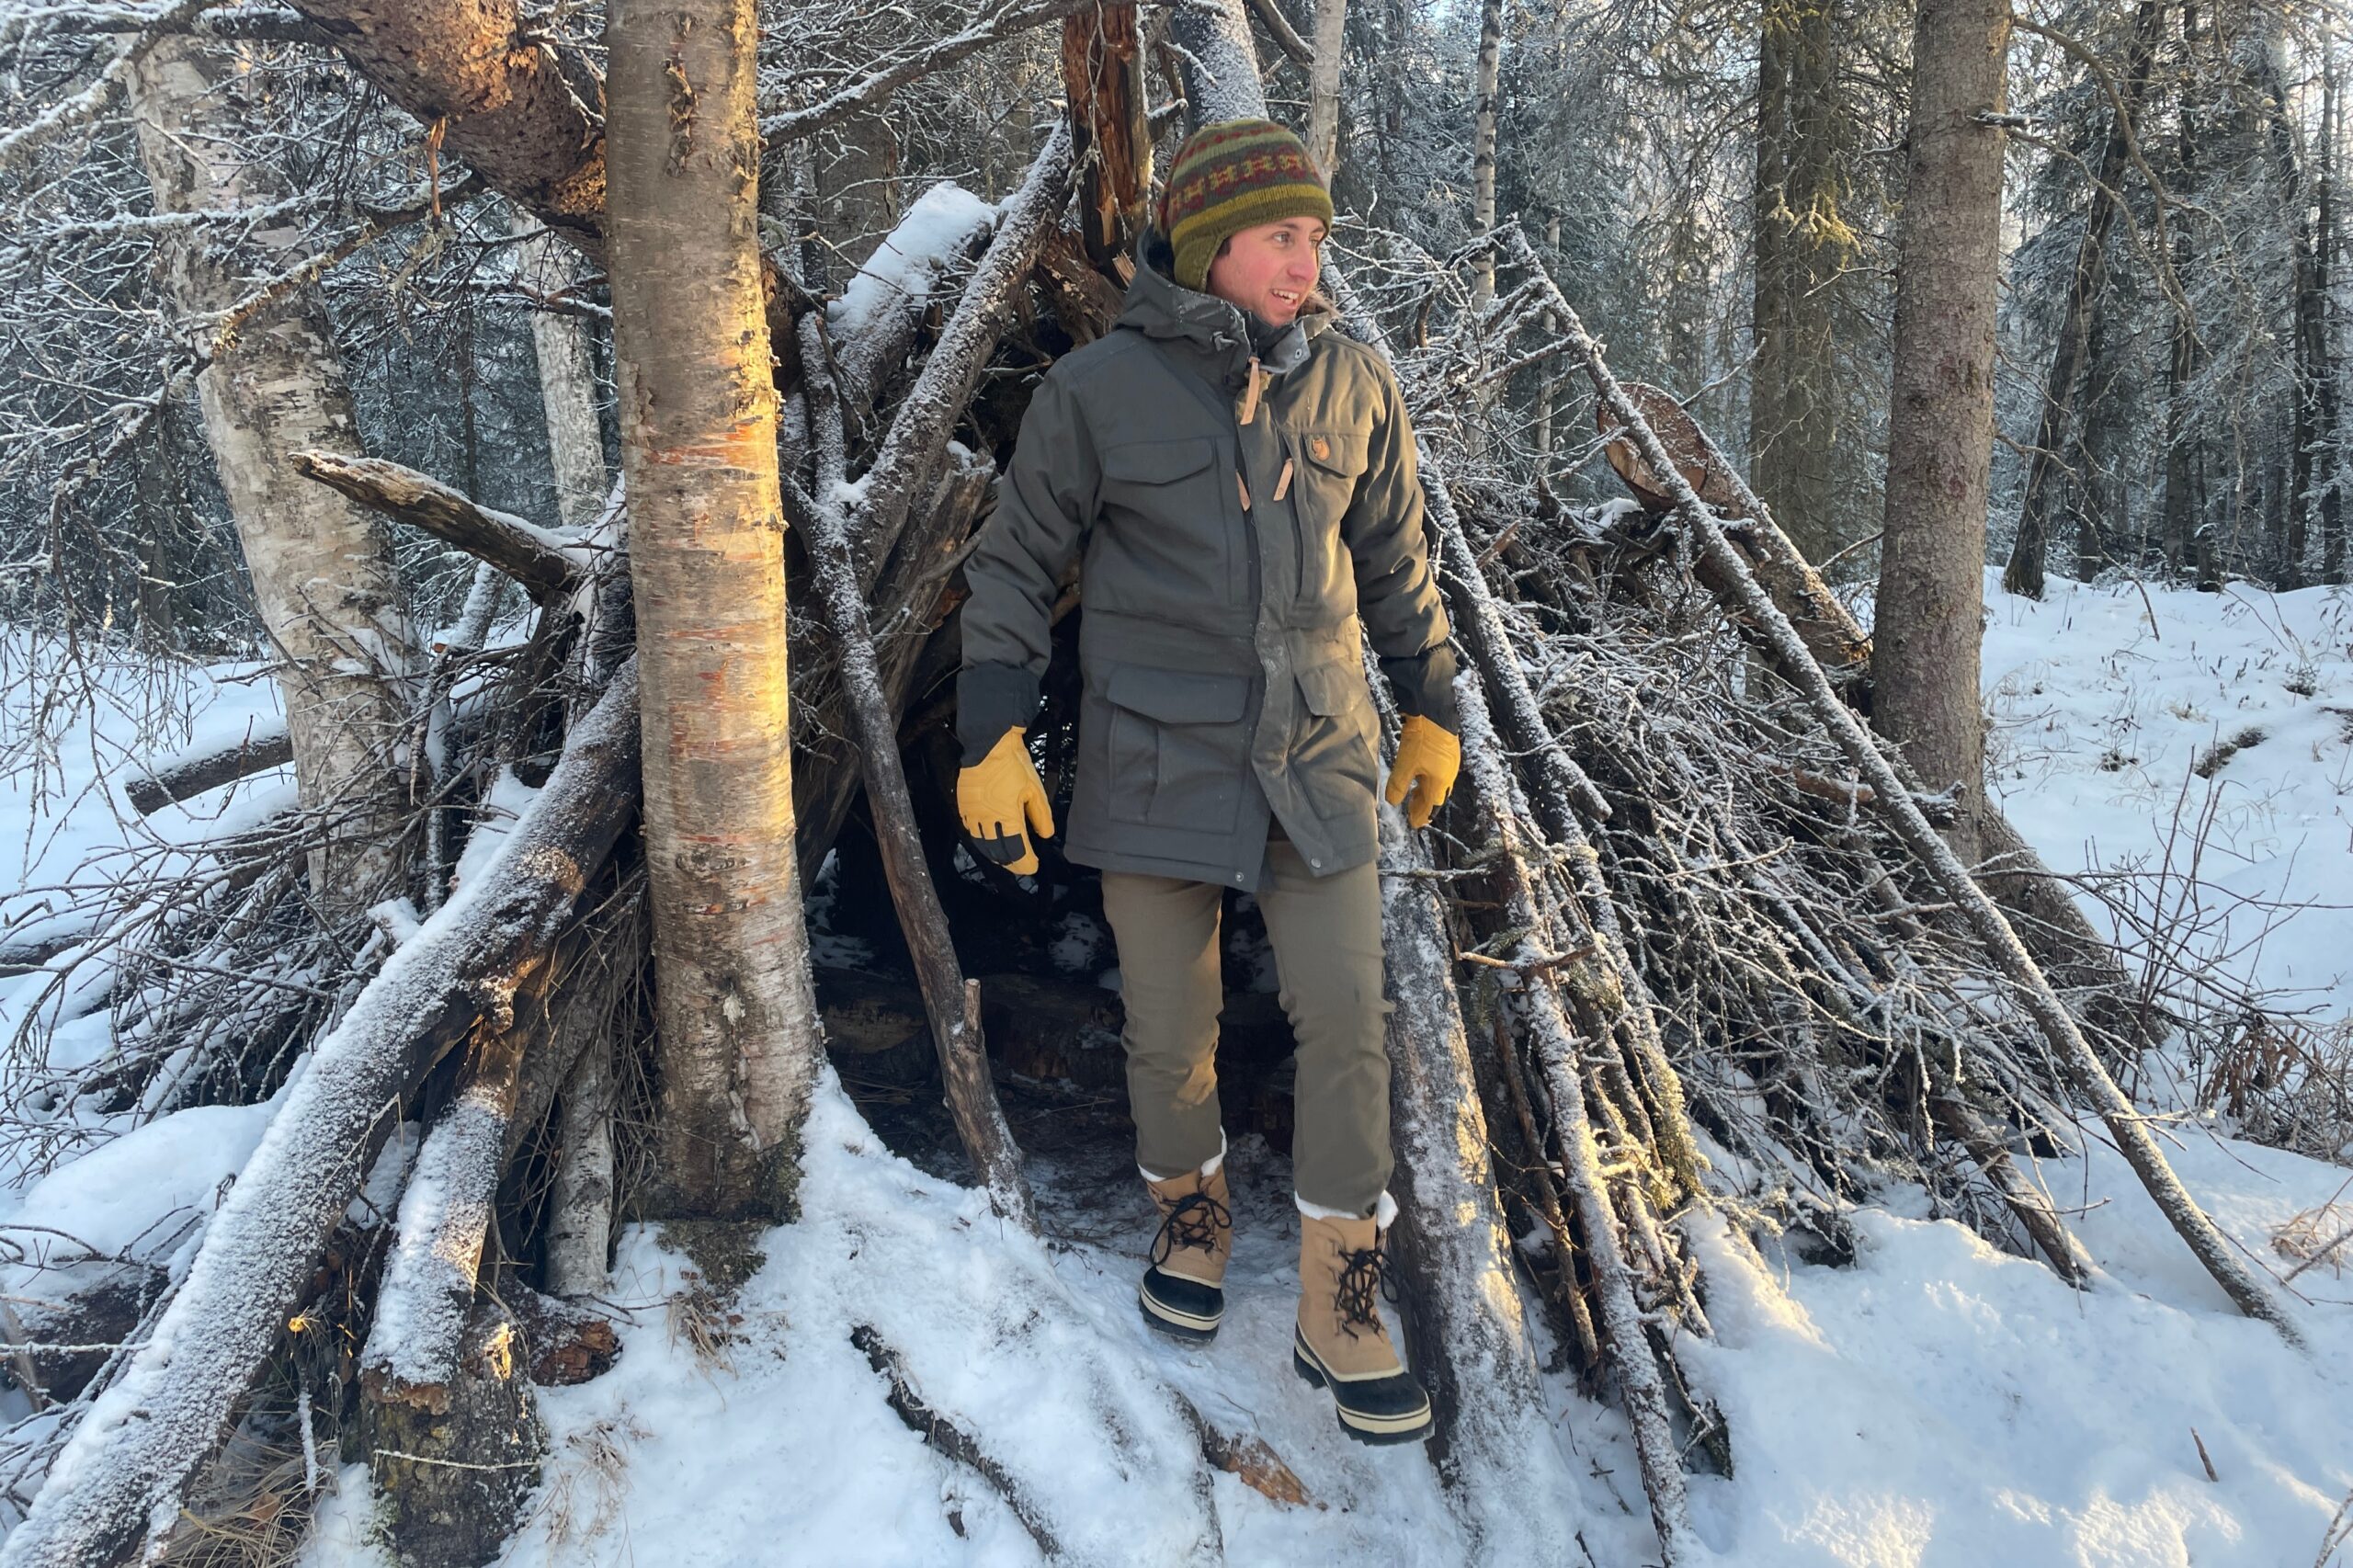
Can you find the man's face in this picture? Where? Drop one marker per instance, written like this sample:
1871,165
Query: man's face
1269,271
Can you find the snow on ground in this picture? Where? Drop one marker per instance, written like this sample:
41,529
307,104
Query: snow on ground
1936,1404
2106,706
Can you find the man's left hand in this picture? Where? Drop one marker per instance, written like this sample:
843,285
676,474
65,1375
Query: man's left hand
1428,756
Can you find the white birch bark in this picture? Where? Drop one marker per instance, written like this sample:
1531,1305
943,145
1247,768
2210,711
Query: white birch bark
1483,145
323,569
567,380
1324,87
581,1208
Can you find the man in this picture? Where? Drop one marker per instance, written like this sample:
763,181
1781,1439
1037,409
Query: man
1242,483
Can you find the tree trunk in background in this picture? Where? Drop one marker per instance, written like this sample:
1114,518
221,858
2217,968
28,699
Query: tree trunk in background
2023,575
1802,245
323,570
2328,448
1323,85
2315,395
1940,439
1483,146
567,380
737,1016
2186,546
2099,466
1546,388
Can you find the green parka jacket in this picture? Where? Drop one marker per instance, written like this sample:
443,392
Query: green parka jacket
1219,646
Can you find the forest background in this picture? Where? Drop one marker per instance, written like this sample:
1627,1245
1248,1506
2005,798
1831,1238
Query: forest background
318,319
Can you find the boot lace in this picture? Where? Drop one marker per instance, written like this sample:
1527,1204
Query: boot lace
1364,1279
1194,1222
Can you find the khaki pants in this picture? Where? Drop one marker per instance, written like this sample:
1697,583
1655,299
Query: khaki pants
1326,934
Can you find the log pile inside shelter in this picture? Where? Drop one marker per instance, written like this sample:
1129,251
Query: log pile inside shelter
1684,938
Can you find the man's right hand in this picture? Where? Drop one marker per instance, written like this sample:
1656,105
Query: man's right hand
995,795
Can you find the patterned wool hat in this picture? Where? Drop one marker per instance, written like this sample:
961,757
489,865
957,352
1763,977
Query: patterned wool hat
1235,176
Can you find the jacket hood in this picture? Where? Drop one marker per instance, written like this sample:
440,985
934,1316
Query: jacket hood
1160,307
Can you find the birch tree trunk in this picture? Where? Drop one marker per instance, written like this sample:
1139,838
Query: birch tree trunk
323,569
567,380
1324,87
736,1012
1940,434
1483,146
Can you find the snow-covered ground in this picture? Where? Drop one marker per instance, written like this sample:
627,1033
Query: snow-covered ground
1935,1403
2106,706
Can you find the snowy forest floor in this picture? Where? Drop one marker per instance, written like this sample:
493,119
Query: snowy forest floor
1936,1403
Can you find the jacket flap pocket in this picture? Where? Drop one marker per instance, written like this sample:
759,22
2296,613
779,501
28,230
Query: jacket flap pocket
1157,462
1336,451
1179,696
1331,690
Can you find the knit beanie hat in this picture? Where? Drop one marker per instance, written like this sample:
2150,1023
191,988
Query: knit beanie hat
1235,176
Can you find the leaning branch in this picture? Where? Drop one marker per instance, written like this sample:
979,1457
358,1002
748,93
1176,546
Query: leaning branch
427,1297
1765,620
911,454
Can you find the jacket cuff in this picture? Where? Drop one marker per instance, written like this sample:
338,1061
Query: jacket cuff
991,700
1423,683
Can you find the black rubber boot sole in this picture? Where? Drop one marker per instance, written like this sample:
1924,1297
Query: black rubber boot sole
1417,1431
1182,1309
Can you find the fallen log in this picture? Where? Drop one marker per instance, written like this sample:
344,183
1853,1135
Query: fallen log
1902,812
130,1461
939,1432
186,775
453,1478
546,564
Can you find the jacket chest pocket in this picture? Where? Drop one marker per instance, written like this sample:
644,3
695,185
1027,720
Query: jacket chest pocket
1166,493
1327,466
1178,748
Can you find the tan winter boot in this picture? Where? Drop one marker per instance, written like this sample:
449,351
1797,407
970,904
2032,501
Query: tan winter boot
1340,1342
1182,1291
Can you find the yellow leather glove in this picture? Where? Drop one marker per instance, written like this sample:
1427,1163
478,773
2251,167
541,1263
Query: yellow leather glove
1428,756
996,794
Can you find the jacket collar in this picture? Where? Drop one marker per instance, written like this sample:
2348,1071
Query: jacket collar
1210,330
